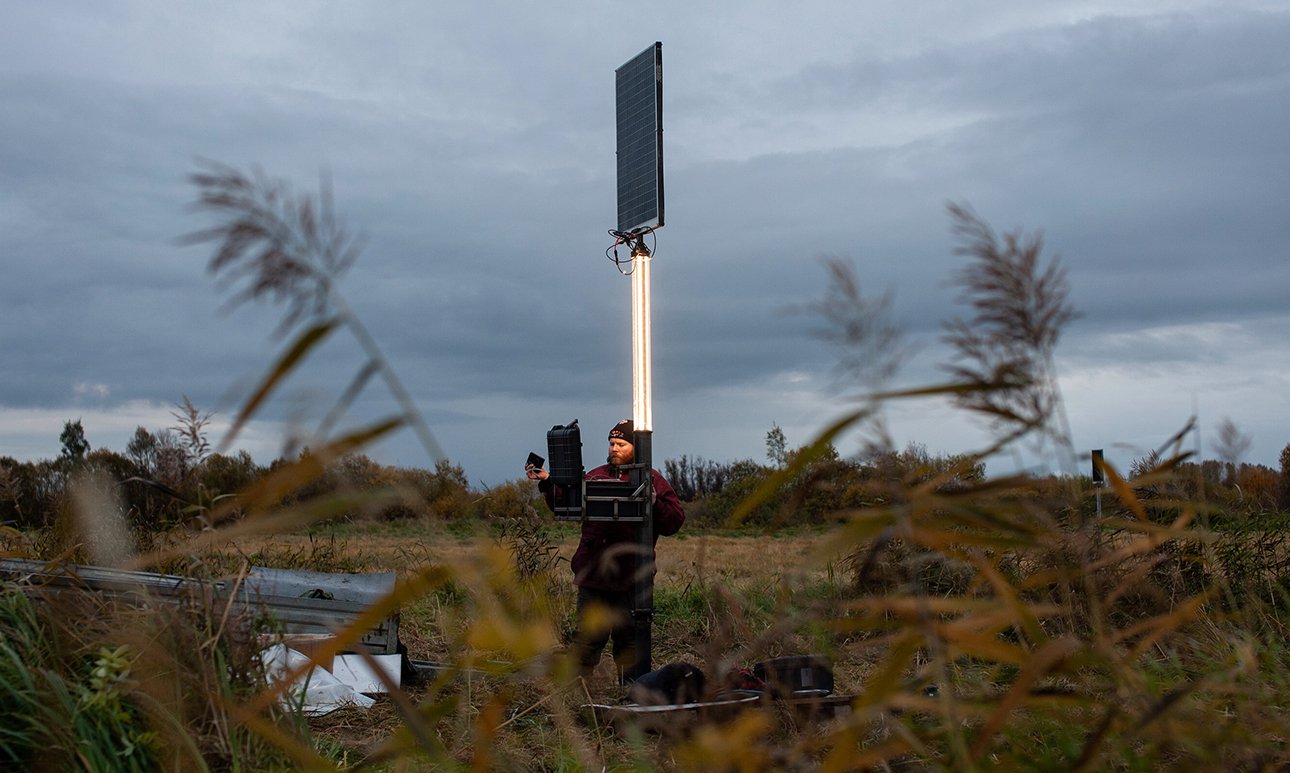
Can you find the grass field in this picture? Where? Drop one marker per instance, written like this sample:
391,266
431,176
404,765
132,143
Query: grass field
972,627
753,567
1119,669
724,598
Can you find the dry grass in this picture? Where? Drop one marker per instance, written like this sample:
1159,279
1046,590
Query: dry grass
707,578
756,563
733,557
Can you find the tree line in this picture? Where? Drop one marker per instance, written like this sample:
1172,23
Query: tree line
170,477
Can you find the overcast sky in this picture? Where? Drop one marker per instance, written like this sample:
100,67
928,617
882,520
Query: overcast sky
472,144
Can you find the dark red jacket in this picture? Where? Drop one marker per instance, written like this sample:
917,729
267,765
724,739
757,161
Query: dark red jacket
606,554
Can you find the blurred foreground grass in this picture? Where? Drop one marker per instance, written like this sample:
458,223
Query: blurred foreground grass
1075,651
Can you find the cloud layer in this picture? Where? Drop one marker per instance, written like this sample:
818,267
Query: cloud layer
473,148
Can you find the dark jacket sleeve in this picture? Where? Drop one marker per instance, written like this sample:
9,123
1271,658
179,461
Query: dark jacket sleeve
668,513
550,492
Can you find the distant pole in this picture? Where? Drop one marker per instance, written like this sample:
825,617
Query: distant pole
1099,478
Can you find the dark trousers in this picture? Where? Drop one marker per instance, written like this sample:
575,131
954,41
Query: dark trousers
614,622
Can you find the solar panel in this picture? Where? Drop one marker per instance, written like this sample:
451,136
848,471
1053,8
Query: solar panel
640,141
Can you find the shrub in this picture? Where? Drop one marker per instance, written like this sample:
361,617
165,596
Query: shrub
746,477
697,478
514,500
92,685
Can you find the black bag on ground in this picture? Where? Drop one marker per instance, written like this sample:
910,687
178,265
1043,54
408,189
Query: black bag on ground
671,685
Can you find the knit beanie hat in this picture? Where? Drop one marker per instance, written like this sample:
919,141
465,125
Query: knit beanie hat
623,430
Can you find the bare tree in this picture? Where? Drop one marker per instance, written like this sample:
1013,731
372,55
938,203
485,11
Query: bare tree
1232,444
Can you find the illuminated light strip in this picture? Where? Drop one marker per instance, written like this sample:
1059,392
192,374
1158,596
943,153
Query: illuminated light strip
642,373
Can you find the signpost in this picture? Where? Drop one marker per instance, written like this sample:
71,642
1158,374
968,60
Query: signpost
1099,479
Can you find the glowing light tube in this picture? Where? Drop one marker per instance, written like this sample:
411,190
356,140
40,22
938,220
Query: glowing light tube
642,375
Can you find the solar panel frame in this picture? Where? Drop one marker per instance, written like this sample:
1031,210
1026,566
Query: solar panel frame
639,91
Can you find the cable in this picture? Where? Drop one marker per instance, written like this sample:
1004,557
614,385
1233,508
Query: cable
627,237
619,238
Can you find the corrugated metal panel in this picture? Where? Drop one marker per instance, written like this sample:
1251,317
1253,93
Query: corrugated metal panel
297,601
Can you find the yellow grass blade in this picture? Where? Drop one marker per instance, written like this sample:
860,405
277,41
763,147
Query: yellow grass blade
885,680
1125,492
812,451
1039,665
405,591
269,490
307,340
1023,614
280,521
1156,628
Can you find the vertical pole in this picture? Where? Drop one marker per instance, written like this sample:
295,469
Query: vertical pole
643,608
643,442
1099,477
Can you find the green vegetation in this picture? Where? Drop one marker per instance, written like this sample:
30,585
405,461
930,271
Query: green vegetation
978,623
89,685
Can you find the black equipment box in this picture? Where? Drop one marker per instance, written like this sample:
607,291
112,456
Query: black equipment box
592,500
564,449
614,500
796,675
602,500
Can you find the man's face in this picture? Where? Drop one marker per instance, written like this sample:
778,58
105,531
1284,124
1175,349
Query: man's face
620,452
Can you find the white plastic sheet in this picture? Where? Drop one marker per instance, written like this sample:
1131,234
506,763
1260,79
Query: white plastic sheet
316,691
354,671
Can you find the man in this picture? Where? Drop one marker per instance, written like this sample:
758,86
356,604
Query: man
605,563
